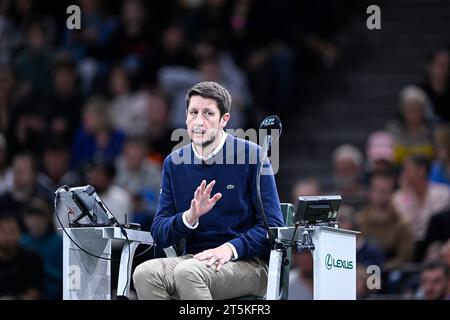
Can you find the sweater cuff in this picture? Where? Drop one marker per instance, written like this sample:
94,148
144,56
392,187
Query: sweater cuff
235,255
187,224
238,246
181,228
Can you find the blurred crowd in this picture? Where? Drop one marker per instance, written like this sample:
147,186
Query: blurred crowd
396,192
98,106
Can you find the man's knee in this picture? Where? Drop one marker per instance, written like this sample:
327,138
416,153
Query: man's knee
147,270
190,270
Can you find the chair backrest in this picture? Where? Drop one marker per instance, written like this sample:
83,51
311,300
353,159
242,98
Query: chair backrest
288,213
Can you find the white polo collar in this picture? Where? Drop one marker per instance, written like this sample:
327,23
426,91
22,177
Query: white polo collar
215,151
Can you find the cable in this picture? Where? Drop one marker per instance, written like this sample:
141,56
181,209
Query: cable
293,234
146,250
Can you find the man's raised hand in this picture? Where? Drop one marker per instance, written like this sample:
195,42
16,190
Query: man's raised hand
202,202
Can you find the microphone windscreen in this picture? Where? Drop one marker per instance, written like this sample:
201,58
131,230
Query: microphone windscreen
271,123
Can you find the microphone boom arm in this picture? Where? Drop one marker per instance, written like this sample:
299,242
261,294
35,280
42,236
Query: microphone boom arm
258,192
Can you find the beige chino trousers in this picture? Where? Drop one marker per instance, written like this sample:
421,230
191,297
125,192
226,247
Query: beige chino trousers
189,279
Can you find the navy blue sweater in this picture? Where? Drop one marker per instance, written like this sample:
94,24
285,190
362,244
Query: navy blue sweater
234,218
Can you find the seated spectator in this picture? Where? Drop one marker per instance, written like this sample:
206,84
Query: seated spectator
362,289
135,38
368,252
411,132
433,251
445,253
42,238
437,85
56,167
21,274
418,200
5,173
379,154
24,187
8,96
347,173
33,64
305,187
440,169
66,99
301,277
94,38
28,125
101,174
136,173
128,109
96,137
173,48
434,280
438,230
445,257
380,222
158,130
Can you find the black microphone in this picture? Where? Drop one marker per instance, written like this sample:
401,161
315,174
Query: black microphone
271,123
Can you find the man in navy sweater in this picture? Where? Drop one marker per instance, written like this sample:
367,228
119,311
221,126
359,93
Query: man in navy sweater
226,248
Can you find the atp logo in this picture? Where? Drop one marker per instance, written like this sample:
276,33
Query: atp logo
268,122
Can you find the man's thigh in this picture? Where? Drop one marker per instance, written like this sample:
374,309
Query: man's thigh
235,279
161,270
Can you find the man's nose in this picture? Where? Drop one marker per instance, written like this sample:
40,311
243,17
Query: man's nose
199,119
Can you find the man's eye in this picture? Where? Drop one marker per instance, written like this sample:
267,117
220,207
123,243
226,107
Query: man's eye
209,114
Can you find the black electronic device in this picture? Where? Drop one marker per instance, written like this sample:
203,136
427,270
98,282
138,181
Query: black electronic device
82,207
313,210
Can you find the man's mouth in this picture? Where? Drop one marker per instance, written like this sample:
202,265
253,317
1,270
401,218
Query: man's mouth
198,131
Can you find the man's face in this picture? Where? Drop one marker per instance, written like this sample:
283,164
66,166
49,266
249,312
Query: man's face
9,235
434,284
413,173
203,121
380,191
134,155
56,163
24,174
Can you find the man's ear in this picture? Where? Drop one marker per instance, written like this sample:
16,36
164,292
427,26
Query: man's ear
224,120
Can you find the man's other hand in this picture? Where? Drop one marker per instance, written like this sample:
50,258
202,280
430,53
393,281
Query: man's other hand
217,256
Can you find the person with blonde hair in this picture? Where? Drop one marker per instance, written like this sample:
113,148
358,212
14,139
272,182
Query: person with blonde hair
411,132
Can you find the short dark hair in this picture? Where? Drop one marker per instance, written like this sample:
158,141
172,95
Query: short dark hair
7,215
211,90
30,156
137,140
423,162
434,265
388,175
105,165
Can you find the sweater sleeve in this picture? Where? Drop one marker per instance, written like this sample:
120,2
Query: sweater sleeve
168,227
254,242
